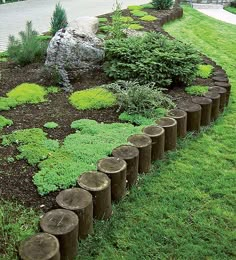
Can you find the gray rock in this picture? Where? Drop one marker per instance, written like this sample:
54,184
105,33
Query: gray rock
76,48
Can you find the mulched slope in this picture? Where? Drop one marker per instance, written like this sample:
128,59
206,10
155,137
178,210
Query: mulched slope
16,177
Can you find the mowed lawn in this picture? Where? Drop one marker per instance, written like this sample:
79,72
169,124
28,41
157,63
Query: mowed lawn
184,208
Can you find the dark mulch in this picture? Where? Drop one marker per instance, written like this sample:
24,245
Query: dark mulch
16,177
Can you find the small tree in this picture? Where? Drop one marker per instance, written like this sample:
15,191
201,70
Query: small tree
59,19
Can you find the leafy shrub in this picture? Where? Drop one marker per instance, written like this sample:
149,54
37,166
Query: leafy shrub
28,49
50,125
196,90
204,71
162,4
5,122
94,98
151,58
148,18
145,100
138,13
136,119
59,19
135,27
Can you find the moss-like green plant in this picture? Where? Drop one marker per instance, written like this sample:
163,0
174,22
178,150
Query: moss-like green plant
148,6
94,98
135,27
52,90
136,119
33,144
196,90
25,93
135,7
204,71
139,13
50,125
28,93
148,18
5,122
102,19
126,19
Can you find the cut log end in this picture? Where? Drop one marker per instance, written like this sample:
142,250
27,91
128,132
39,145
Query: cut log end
111,165
59,222
125,152
166,122
140,140
74,199
42,246
93,181
153,131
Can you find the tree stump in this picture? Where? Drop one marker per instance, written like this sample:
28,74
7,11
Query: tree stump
130,154
81,202
220,79
227,86
223,93
206,104
215,108
115,168
193,116
170,127
157,134
63,224
99,185
181,117
144,145
41,246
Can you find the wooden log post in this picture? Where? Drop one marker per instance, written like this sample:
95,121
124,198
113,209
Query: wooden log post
157,134
215,108
170,126
115,168
206,104
193,116
63,224
144,144
220,79
181,117
219,73
42,246
130,154
81,202
99,185
223,96
225,85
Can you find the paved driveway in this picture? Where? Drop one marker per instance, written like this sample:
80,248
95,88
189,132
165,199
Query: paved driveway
14,16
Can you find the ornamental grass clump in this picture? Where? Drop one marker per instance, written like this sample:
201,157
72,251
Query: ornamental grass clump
151,58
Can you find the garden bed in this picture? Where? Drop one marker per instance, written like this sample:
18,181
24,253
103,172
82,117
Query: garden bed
16,177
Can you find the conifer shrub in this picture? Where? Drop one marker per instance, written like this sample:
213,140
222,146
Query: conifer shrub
59,19
151,58
162,4
28,48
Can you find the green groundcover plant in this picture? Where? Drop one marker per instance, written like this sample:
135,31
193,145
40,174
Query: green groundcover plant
167,60
5,122
25,93
197,90
50,125
94,98
61,166
204,71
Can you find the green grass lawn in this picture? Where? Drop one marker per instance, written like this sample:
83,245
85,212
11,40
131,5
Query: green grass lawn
230,9
184,208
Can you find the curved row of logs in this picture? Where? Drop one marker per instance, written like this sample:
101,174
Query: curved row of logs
73,220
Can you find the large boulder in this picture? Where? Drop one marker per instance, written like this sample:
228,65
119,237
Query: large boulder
76,47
